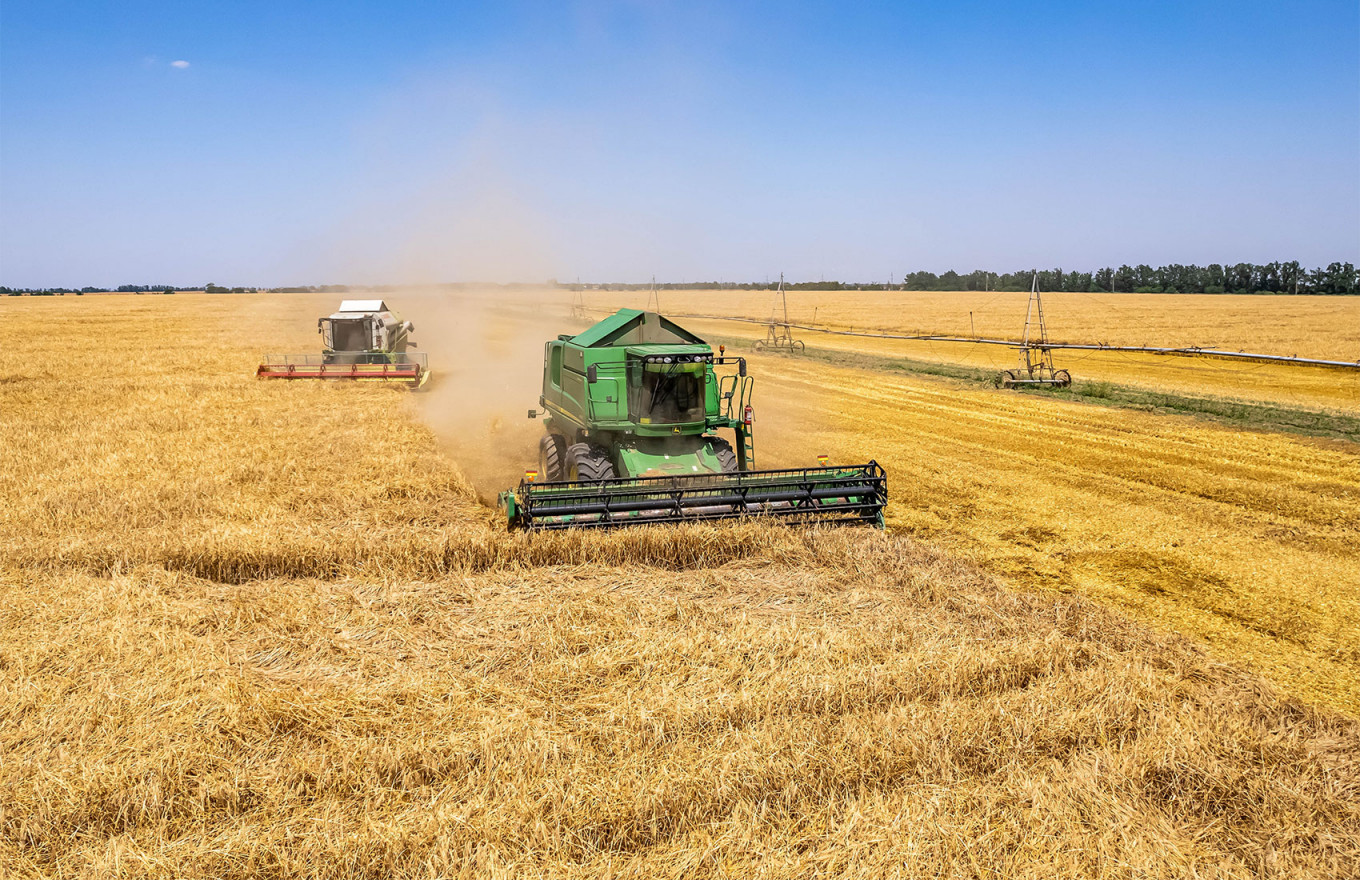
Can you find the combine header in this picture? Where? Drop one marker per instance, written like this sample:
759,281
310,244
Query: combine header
633,406
363,342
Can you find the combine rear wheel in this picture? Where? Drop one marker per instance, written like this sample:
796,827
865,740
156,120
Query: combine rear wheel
552,451
589,463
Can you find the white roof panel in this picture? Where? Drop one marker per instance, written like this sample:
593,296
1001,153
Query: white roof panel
363,305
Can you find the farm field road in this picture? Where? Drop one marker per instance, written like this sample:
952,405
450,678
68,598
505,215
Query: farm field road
1245,540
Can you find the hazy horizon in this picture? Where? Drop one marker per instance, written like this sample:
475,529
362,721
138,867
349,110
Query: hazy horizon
273,145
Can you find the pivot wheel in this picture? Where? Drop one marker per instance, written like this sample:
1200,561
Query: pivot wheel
1062,378
725,455
552,454
588,463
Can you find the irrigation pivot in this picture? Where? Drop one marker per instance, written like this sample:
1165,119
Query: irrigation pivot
1036,355
578,305
778,335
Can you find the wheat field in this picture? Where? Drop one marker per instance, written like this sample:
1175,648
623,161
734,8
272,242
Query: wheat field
267,629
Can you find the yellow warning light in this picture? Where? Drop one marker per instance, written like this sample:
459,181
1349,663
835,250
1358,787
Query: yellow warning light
821,460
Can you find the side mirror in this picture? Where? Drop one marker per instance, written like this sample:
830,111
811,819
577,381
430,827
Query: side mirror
741,367
592,373
533,413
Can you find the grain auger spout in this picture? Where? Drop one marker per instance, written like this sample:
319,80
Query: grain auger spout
634,407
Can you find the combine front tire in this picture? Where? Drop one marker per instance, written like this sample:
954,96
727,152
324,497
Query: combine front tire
589,463
725,455
552,450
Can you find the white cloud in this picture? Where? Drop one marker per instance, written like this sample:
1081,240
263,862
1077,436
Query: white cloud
180,64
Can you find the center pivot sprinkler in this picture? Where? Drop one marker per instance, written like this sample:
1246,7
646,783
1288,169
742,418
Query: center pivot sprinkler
1036,356
778,335
633,409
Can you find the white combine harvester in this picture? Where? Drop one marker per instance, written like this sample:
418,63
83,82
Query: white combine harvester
362,342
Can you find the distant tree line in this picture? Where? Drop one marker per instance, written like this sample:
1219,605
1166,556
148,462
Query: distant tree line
1268,278
727,285
311,288
210,287
1272,278
77,291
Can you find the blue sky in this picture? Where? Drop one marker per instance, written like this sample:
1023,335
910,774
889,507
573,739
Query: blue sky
421,141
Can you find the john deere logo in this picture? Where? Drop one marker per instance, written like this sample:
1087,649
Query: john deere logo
675,430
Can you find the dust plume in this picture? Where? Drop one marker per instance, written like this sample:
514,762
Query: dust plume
485,346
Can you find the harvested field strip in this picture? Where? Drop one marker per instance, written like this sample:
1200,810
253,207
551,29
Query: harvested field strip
1172,463
1187,525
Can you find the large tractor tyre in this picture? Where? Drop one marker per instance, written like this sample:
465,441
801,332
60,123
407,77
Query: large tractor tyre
727,457
588,463
552,455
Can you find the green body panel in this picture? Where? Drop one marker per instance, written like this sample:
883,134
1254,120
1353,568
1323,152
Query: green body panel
632,327
666,457
621,409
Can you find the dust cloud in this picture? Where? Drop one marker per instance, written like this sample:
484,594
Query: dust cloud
461,216
485,347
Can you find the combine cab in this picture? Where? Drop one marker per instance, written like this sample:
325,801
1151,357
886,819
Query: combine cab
363,342
634,406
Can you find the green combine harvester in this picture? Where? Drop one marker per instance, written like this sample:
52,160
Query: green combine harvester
633,408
